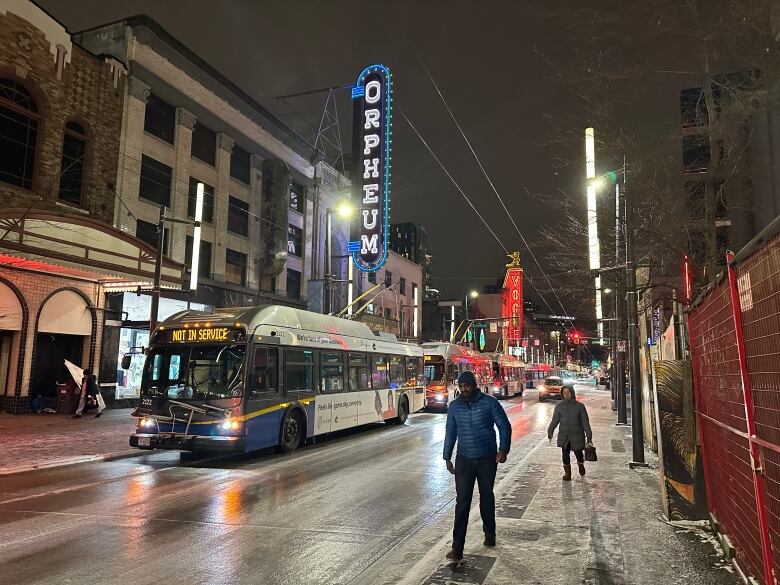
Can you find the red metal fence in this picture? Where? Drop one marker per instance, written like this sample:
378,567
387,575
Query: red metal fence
735,352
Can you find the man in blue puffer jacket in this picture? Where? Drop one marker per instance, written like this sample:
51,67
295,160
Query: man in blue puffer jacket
470,420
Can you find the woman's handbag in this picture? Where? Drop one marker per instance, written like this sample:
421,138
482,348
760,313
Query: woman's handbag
100,402
590,453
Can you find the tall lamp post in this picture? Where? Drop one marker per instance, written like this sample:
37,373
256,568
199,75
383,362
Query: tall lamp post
155,306
473,294
344,210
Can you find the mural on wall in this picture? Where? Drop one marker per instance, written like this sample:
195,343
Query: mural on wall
682,478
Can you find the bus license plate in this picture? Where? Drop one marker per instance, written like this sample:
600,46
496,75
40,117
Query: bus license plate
144,441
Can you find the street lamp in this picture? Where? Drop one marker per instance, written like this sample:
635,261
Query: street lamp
344,210
154,309
473,294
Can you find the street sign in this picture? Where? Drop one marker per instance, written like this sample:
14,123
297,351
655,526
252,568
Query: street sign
622,345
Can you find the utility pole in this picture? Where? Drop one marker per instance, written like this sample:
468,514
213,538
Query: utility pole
637,435
620,368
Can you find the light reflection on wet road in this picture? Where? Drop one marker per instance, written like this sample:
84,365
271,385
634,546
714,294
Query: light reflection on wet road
320,515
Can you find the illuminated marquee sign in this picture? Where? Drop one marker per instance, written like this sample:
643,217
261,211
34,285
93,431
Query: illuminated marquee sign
512,305
371,97
203,335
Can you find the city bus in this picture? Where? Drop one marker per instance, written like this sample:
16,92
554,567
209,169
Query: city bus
242,379
508,375
443,364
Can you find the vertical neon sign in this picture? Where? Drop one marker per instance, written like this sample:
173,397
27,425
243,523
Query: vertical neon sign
372,125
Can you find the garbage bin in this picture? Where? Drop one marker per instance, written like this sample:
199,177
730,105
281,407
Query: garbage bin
66,400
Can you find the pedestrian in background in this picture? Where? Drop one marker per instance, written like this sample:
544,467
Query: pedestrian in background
89,393
471,419
572,416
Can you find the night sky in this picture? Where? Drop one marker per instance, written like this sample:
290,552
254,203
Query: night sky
499,65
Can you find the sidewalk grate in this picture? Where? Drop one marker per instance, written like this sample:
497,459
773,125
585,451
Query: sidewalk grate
475,571
618,446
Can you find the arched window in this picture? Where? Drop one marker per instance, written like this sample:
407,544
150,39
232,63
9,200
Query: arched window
74,152
19,119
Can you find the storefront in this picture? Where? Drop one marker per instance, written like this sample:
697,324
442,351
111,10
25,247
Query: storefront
55,273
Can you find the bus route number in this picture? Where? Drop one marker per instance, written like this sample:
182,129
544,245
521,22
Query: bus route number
197,335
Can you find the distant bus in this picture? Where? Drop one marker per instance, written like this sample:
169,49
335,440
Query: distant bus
443,364
242,379
508,375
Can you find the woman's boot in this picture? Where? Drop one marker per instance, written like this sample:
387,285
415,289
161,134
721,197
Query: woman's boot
582,468
566,473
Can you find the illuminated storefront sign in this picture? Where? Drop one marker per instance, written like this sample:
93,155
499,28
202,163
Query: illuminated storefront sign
512,305
372,124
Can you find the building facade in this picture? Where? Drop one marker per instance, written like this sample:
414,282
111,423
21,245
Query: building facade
60,121
395,304
411,241
266,191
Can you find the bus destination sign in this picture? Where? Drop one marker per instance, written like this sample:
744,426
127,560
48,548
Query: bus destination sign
201,335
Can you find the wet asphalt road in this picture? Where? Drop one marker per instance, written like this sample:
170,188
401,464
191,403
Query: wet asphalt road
324,514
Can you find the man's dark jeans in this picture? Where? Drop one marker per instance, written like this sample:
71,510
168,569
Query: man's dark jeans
483,471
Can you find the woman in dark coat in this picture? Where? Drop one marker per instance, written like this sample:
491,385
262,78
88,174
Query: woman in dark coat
573,432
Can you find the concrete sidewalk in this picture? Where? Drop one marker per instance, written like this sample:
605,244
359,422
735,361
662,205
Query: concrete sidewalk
605,528
34,441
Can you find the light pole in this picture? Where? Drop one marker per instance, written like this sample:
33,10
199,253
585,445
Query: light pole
344,210
473,294
155,305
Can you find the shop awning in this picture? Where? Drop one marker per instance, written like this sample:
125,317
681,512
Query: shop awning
82,248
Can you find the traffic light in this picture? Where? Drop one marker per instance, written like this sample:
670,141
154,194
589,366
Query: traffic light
575,336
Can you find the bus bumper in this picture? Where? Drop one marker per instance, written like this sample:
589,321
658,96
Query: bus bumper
191,443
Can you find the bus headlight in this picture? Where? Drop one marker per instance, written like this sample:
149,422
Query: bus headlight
231,425
146,423
439,396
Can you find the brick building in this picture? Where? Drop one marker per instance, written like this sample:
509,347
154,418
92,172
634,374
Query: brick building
60,121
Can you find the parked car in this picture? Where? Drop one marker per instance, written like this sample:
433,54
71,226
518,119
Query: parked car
551,388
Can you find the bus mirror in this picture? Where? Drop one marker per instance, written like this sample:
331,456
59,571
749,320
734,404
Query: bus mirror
126,360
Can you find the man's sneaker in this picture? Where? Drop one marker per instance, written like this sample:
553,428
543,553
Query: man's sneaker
76,416
490,540
454,557
98,415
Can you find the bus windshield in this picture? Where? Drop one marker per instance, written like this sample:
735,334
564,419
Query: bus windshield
201,372
435,371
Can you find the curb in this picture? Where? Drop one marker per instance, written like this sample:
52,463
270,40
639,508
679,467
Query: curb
72,461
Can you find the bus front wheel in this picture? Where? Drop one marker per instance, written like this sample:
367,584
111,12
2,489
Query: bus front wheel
292,429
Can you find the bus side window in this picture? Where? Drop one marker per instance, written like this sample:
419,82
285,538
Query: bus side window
359,378
265,371
331,372
397,374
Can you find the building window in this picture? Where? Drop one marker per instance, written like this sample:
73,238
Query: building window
239,164
204,144
19,119
74,152
155,185
204,264
388,313
372,277
696,154
293,284
388,278
160,119
297,197
147,232
208,200
402,286
238,216
693,108
235,267
294,241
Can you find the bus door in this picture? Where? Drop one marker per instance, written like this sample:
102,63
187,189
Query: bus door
263,418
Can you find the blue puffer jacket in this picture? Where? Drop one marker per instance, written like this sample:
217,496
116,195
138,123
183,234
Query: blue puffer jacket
470,423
